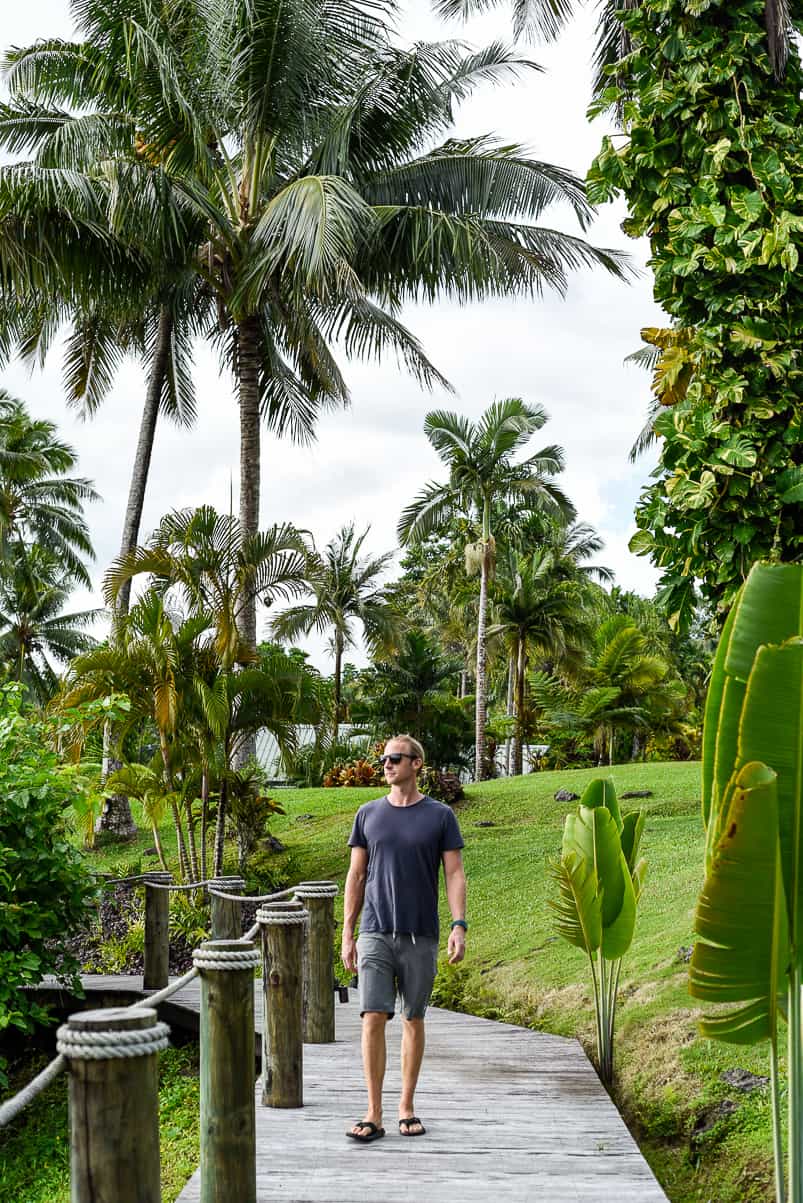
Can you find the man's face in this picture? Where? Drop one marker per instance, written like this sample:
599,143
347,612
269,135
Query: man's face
405,771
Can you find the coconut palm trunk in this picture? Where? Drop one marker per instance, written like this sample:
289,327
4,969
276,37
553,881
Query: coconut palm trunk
116,816
248,369
480,759
248,372
521,672
338,683
511,710
142,458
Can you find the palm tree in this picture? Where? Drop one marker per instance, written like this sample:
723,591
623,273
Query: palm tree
300,139
34,630
482,474
39,502
219,570
158,306
346,590
541,609
646,694
276,695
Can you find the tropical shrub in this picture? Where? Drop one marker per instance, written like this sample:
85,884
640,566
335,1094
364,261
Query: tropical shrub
446,787
600,881
749,917
249,811
45,890
354,773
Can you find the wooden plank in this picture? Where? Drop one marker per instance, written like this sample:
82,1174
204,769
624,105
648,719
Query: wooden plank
510,1113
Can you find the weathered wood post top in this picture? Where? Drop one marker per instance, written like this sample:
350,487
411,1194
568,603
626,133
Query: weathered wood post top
114,1103
284,928
227,916
228,1106
319,965
157,930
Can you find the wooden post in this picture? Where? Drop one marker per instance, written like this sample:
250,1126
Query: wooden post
114,1103
284,926
319,967
157,931
228,1107
227,921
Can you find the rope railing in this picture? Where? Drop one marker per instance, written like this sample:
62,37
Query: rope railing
316,925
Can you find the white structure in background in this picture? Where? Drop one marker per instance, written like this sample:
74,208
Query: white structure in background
267,751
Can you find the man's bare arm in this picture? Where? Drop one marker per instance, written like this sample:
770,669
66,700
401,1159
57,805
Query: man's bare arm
352,905
455,878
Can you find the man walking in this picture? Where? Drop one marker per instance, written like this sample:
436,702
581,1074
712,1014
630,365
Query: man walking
398,844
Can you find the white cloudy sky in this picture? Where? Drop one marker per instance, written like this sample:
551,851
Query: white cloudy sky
369,461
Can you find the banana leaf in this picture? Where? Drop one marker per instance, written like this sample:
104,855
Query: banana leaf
743,950
601,792
768,609
632,831
591,835
770,730
578,909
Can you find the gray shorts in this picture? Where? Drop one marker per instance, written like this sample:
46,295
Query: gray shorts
390,964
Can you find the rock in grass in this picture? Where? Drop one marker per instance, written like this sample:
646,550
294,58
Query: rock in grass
485,823
637,793
566,795
684,953
712,1116
742,1079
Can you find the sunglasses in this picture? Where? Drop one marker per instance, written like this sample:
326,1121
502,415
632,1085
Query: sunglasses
396,757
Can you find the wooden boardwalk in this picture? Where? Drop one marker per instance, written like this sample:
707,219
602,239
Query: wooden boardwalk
511,1116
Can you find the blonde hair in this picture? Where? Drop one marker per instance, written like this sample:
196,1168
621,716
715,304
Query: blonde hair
415,747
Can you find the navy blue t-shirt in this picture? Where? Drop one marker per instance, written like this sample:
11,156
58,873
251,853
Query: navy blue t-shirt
405,845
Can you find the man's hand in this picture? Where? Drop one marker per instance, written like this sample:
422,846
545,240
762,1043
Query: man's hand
348,952
457,945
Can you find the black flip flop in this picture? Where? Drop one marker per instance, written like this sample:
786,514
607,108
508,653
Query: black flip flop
406,1124
373,1133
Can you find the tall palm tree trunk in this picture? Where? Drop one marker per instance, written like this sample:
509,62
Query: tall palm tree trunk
511,677
521,673
142,457
338,683
248,368
250,468
116,815
480,759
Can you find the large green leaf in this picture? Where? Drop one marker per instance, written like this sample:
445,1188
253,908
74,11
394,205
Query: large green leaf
768,609
593,837
618,935
743,949
770,730
632,830
714,711
601,792
578,909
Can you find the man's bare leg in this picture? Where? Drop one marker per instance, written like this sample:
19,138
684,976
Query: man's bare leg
374,1057
412,1054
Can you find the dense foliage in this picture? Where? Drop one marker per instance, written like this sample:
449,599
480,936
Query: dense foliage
712,170
44,886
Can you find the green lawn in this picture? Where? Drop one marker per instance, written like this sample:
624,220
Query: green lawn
668,1080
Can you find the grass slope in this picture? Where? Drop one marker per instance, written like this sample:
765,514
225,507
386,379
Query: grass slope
668,1079
706,1142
